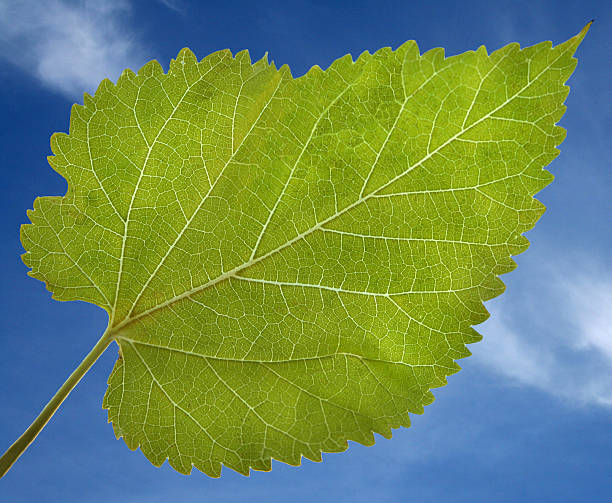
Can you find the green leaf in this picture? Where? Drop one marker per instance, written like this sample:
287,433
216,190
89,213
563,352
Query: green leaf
288,264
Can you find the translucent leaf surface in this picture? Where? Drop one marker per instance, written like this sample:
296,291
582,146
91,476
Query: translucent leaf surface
287,263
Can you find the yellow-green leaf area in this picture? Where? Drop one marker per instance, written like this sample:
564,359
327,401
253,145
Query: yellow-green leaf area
292,263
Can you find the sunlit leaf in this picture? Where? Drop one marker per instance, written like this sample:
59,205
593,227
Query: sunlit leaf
288,264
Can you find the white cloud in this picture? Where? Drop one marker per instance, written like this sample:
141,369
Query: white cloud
557,337
70,46
591,297
510,354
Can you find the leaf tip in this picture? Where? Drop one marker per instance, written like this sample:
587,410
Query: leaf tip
580,36
573,43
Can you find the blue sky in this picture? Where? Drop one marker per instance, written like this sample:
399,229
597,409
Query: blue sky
529,416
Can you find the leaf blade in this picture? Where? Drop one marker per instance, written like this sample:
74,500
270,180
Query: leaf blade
277,300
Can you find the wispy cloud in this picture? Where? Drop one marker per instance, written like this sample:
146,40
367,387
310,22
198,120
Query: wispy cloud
591,298
175,5
70,46
558,336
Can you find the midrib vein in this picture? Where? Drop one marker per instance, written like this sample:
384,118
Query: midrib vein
238,269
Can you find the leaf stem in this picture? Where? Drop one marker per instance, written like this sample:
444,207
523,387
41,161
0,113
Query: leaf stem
22,443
